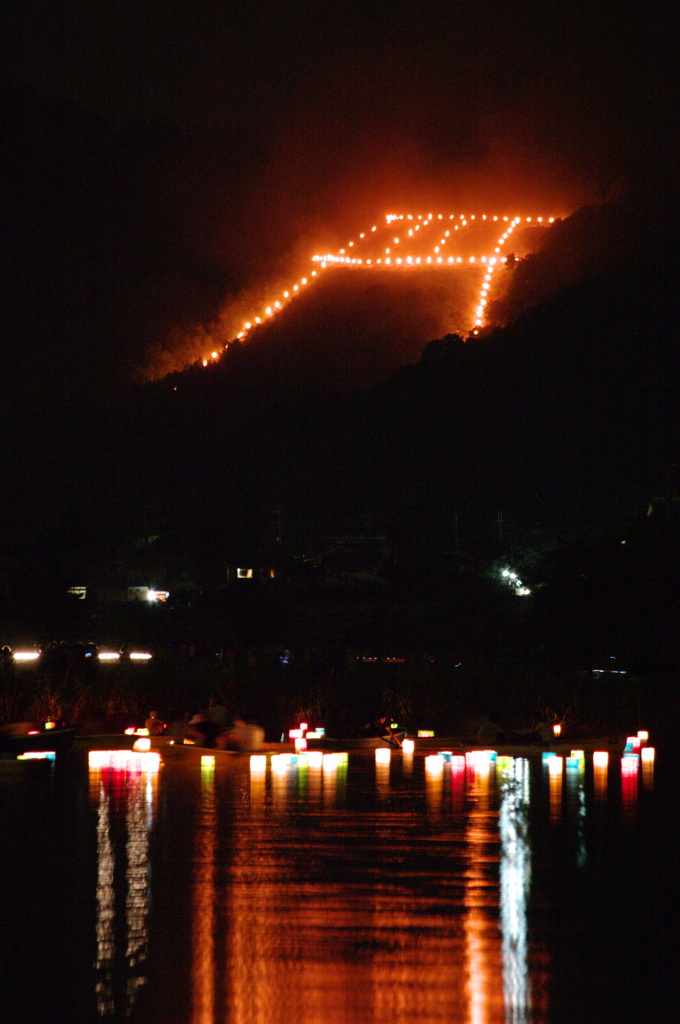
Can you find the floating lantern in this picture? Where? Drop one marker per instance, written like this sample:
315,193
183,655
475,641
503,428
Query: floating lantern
643,735
557,729
300,744
334,763
408,746
258,763
50,725
600,777
479,758
547,755
647,765
600,758
382,755
445,755
124,760
315,758
143,743
425,733
434,764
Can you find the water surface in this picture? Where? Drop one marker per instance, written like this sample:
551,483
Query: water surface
420,890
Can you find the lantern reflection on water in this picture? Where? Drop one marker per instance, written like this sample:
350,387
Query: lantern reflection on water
122,782
434,764
600,774
555,770
457,782
480,758
515,883
630,768
382,770
124,760
647,766
434,780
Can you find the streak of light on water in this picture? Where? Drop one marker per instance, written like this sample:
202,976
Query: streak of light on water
347,891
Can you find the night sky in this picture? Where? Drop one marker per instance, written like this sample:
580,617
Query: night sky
274,120
162,159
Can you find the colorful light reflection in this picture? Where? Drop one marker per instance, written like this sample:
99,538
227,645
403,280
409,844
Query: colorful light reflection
126,760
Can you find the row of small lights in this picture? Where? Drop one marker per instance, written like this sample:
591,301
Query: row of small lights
142,758
418,221
102,655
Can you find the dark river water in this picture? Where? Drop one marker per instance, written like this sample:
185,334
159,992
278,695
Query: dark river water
346,893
